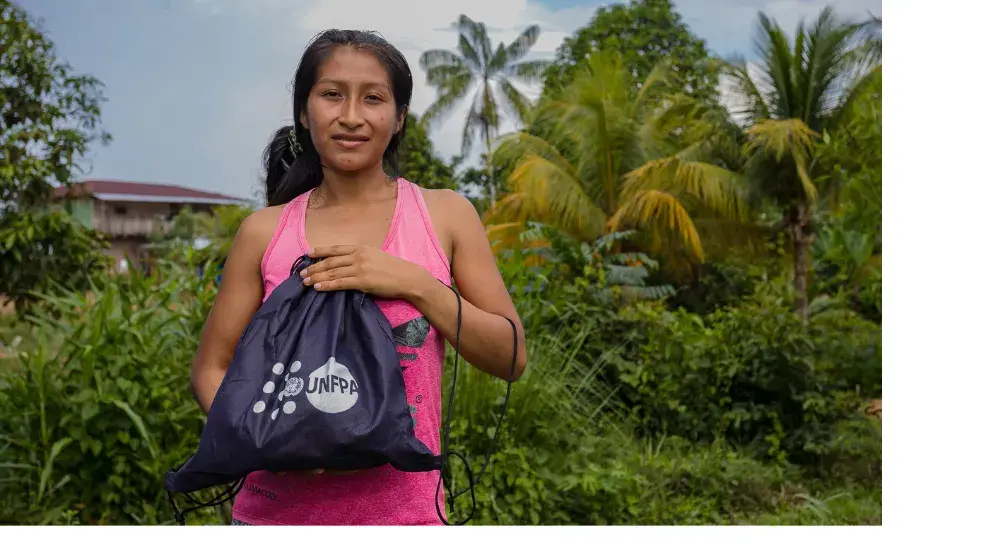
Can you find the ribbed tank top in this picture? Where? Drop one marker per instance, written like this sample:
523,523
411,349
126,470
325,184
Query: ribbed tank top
380,496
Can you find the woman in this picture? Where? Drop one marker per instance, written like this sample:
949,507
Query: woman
329,197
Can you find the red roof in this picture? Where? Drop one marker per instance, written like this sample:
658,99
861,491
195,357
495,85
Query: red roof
144,189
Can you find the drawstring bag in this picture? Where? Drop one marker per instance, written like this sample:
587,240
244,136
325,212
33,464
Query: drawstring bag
315,383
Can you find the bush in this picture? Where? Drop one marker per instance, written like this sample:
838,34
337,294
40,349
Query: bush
627,414
99,410
752,375
567,454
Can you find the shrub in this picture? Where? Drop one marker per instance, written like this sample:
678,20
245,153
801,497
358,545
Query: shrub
99,410
751,374
567,452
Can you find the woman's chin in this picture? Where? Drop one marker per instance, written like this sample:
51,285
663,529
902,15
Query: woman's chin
351,163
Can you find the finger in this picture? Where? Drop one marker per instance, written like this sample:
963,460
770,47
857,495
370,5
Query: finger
332,251
327,264
343,283
333,274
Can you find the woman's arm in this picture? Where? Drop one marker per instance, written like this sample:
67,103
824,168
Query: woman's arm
238,299
487,339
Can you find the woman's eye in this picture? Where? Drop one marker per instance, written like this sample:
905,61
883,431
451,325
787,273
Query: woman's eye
373,98
331,94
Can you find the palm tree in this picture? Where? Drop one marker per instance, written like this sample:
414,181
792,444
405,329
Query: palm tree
791,96
612,158
477,65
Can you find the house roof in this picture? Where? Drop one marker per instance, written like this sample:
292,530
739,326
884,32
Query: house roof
121,191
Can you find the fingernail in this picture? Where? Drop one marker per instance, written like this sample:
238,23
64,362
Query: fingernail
307,281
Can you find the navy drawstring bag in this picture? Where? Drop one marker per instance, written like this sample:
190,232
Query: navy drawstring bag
315,383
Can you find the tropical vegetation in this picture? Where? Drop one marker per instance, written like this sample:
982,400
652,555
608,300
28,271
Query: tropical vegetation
698,270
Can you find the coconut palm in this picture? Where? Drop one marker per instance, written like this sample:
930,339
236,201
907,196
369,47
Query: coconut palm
490,71
613,158
799,88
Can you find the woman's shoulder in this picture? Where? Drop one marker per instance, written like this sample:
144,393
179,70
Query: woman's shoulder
258,228
450,205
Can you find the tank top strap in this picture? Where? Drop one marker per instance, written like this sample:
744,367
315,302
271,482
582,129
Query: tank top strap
286,244
413,236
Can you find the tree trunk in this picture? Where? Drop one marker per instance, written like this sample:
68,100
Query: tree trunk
489,168
802,238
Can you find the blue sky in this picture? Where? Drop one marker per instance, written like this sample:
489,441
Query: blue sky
195,87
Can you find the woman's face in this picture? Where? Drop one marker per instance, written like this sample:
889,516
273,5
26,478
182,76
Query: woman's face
350,112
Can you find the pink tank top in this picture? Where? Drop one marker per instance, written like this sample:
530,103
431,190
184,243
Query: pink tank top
380,496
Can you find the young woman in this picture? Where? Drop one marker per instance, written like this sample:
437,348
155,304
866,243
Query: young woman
329,197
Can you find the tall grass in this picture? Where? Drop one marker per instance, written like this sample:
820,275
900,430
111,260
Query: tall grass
99,409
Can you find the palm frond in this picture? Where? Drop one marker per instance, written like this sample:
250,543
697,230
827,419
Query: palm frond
520,47
470,54
860,86
530,71
661,214
448,78
660,79
823,67
754,102
790,138
511,148
510,209
778,62
552,195
516,102
713,187
451,95
475,35
439,57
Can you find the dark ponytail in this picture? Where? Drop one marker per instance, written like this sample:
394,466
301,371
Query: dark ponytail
290,174
291,163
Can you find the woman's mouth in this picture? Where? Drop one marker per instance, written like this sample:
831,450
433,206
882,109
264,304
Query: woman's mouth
350,141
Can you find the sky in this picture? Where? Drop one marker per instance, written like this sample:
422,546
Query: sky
194,88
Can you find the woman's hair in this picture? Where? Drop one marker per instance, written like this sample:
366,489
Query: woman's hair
291,162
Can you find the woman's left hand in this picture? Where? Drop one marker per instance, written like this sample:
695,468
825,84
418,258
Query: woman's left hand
364,268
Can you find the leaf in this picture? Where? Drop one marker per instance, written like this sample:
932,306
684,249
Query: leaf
137,421
54,451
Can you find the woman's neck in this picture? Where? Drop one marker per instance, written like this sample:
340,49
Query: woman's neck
357,187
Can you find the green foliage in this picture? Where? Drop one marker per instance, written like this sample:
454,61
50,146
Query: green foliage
738,448
609,275
646,32
49,115
751,374
417,161
605,163
43,249
95,414
210,234
851,158
711,404
801,86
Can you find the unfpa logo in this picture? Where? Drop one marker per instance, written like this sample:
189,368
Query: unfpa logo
332,388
